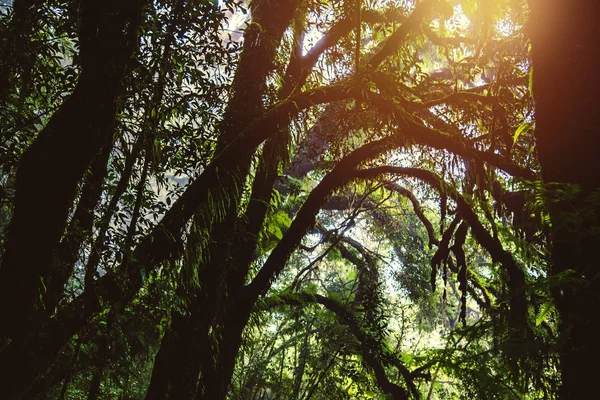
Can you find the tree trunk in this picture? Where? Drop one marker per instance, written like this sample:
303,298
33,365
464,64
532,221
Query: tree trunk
52,167
566,83
198,341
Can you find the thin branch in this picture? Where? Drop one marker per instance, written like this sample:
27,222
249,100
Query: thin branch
393,43
446,41
516,276
417,208
371,350
300,67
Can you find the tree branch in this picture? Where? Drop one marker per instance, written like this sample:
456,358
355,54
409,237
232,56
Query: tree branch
300,66
393,43
516,276
371,350
417,208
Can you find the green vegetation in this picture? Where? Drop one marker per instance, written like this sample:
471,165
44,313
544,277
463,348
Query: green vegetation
298,199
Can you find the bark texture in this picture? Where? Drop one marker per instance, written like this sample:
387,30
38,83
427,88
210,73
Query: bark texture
47,179
566,81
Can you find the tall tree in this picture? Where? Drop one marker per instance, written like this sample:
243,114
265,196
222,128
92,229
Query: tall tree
566,74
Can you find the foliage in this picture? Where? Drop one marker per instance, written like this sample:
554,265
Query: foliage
291,200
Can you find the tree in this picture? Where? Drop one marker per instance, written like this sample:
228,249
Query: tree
428,101
567,136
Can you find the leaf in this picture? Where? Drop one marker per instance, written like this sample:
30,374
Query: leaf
531,81
545,311
524,127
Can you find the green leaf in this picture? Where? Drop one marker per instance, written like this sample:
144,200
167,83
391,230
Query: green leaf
531,81
545,311
524,127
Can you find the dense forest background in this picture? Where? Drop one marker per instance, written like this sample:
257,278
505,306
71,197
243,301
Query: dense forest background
299,199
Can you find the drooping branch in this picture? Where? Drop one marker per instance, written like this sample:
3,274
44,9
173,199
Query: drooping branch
371,351
516,276
417,208
441,254
305,218
424,135
459,253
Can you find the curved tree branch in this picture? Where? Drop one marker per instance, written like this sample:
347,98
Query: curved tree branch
417,208
371,350
516,276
